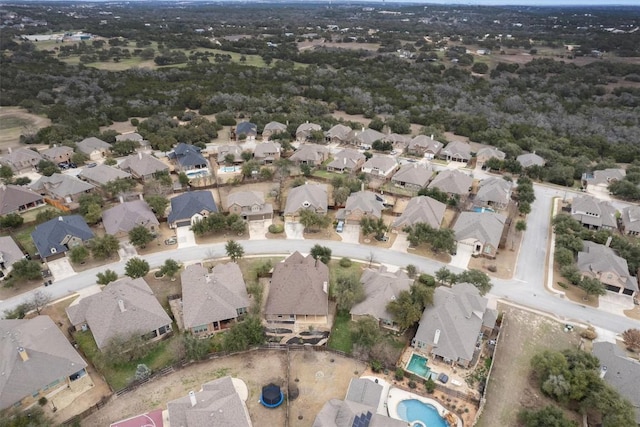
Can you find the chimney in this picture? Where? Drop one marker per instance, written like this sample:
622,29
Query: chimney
140,156
608,241
121,199
141,196
432,137
23,354
59,218
345,161
121,306
436,337
192,398
325,287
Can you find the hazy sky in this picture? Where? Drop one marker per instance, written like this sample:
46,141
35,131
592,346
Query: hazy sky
534,2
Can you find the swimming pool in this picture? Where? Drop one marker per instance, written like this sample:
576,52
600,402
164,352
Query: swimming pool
481,209
414,410
418,365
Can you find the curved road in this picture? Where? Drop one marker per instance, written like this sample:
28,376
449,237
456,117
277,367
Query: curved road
526,288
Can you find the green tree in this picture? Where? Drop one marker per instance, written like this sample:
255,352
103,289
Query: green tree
234,250
195,348
412,270
366,332
521,226
94,213
104,247
347,291
31,417
79,158
524,208
6,174
631,339
136,267
47,167
86,200
78,254
321,253
244,334
106,277
477,278
592,286
313,221
370,225
170,268
549,416
47,214
444,276
26,269
563,256
140,236
183,179
11,221
118,186
158,204
404,310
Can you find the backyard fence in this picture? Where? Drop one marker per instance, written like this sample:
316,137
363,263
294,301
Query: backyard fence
483,398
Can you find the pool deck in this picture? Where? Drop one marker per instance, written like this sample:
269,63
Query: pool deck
397,395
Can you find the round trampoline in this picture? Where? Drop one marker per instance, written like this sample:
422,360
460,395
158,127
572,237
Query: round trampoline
271,396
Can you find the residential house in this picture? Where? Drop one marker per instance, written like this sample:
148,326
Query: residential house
93,148
601,179
602,263
212,302
421,209
123,309
229,150
480,230
219,403
310,154
399,142
484,154
304,131
347,161
453,182
15,198
621,372
102,174
191,207
631,220
593,213
188,159
339,134
366,137
530,159
494,192
248,129
422,145
249,205
451,328
36,360
134,137
62,188
22,159
364,405
380,167
308,196
267,152
360,205
273,128
58,235
380,288
299,292
10,252
121,219
456,151
143,166
412,176
58,154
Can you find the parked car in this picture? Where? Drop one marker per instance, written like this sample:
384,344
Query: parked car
340,227
92,165
443,378
171,241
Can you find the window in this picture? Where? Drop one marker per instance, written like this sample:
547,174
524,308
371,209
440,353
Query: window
201,328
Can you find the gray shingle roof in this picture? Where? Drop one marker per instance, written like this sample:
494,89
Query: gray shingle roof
368,136
452,182
102,174
366,202
266,149
88,145
61,186
422,209
339,131
21,156
53,152
310,153
591,211
347,159
186,205
54,234
413,174
457,149
604,176
307,128
50,357
631,218
142,164
380,288
217,405
124,217
106,319
14,196
622,373
456,316
224,150
425,143
486,227
307,196
530,159
382,163
274,127
131,136
9,251
489,153
299,286
494,190
212,297
596,259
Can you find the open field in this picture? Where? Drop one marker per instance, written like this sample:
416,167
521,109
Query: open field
14,121
510,388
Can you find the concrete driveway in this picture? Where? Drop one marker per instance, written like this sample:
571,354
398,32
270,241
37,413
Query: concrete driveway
401,244
351,233
126,251
60,269
186,238
294,230
258,229
462,257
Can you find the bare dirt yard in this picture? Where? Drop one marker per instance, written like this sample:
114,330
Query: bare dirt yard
15,121
510,387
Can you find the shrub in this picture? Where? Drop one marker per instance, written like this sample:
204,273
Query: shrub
376,366
412,384
429,385
589,333
135,122
42,401
276,228
345,262
399,375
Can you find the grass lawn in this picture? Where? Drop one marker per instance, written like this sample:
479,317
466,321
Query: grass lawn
341,338
325,175
390,188
159,356
23,235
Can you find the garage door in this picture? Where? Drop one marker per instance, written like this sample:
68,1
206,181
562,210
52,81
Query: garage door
186,223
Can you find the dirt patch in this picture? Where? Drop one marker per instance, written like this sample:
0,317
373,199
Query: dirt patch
12,291
16,121
571,292
523,334
122,127
163,287
157,245
634,313
422,250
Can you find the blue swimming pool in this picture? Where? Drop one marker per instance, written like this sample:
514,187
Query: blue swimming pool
418,365
415,410
481,209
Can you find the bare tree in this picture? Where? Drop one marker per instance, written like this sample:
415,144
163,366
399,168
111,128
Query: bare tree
631,339
39,300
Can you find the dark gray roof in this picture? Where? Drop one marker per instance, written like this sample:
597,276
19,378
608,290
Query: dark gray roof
14,196
53,234
88,145
414,174
50,357
530,159
307,196
591,211
596,259
631,218
622,372
246,128
188,204
494,190
187,155
452,181
102,174
485,227
9,251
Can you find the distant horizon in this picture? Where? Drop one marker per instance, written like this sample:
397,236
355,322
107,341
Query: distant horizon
528,3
